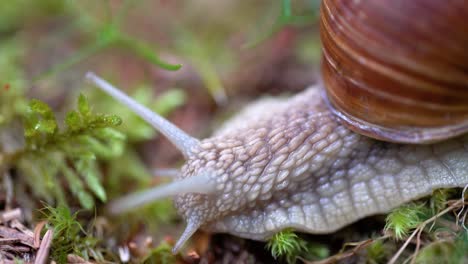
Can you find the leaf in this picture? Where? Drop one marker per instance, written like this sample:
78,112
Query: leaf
73,121
100,148
41,108
47,126
168,101
90,173
86,200
30,122
77,187
106,120
45,122
83,106
109,134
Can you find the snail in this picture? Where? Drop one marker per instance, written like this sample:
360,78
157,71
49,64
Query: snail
342,149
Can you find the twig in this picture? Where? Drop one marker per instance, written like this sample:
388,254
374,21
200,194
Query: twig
8,183
348,253
25,239
463,207
37,233
15,223
44,248
8,241
418,245
10,215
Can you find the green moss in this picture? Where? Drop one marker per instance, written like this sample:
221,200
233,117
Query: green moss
439,199
376,252
160,255
69,236
286,245
446,251
52,154
405,218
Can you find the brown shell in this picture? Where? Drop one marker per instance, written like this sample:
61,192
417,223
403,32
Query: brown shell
397,70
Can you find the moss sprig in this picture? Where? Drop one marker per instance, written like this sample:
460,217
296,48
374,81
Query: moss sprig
69,236
286,245
53,156
405,218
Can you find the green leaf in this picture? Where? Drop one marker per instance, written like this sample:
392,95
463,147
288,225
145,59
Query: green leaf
90,173
41,108
77,187
168,101
47,126
45,123
107,120
109,134
100,148
86,200
30,122
73,121
83,106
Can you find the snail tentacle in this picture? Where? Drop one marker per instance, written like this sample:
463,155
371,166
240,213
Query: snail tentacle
201,184
184,142
192,226
169,173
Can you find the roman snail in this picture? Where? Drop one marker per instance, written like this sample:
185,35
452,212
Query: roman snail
393,70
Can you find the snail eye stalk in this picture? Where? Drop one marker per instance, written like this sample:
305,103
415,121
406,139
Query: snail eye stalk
184,142
195,184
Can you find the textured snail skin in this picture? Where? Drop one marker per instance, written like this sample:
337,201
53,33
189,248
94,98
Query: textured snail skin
289,163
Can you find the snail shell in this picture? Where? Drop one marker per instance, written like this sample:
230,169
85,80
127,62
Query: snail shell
392,73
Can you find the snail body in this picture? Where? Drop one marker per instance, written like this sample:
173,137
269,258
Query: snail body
300,167
296,166
312,163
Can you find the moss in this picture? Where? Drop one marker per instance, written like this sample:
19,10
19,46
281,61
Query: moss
69,236
287,245
51,153
376,252
405,218
162,254
439,198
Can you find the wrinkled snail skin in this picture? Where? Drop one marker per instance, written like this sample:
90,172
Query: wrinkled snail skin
290,163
